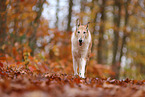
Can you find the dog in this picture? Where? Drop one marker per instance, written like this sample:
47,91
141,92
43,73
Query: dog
81,42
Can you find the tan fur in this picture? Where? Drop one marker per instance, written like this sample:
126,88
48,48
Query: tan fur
81,53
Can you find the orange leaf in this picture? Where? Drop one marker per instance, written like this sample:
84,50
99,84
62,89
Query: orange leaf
1,64
32,68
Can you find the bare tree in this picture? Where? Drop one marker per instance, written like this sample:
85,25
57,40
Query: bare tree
117,18
125,34
93,19
69,15
101,33
57,11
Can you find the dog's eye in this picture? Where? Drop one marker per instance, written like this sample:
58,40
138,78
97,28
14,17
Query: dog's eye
84,32
78,31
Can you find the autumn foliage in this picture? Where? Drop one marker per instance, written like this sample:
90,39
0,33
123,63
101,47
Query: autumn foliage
36,59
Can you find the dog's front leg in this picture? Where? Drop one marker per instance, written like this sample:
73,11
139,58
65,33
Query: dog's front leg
82,66
75,66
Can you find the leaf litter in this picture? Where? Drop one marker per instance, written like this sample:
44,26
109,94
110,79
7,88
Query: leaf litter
18,81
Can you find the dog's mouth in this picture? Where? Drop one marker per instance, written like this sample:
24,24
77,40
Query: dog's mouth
80,43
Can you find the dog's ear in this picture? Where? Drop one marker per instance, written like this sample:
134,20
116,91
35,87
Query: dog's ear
87,26
77,24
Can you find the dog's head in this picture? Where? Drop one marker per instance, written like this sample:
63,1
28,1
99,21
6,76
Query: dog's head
81,32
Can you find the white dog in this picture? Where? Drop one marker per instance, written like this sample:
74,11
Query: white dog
81,48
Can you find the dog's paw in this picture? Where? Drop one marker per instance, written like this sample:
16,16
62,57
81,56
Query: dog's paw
75,74
81,75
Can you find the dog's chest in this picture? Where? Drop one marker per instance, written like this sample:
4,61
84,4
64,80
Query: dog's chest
81,52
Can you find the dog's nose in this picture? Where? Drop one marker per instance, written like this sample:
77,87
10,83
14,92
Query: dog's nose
80,40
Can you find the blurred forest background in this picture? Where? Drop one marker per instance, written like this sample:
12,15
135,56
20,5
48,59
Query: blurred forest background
37,33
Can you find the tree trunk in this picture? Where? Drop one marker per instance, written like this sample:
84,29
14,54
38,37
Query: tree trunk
57,11
35,24
93,24
2,23
125,34
117,18
16,23
101,33
94,14
69,15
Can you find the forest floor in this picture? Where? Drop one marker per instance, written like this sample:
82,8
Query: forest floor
25,83
39,80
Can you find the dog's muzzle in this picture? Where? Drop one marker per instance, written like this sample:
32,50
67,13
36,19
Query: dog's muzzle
80,42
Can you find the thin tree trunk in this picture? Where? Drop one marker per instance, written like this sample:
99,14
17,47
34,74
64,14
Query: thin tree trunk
93,16
124,35
57,11
2,23
94,13
16,22
101,33
69,15
117,18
